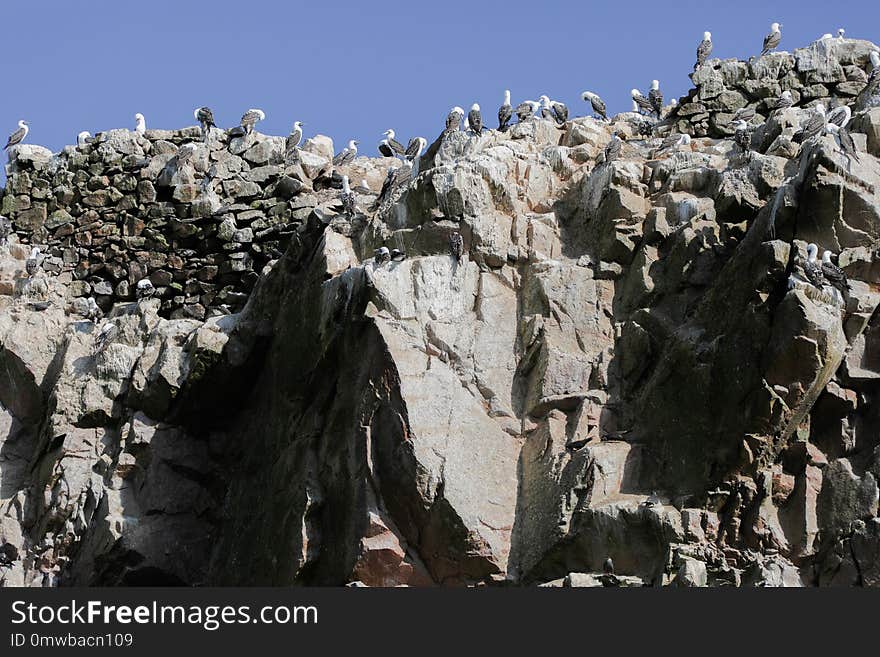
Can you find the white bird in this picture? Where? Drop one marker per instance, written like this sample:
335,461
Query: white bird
453,119
144,289
18,136
140,124
840,116
382,254
83,138
347,154
771,41
840,33
347,198
294,138
642,103
826,36
250,118
390,147
32,264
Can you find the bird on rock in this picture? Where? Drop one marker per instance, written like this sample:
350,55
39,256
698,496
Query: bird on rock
390,147
347,198
250,118
844,138
381,255
18,136
771,41
612,150
456,245
205,117
704,50
642,103
144,289
475,119
597,104
812,127
505,112
347,154
655,97
140,123
453,120
834,274
784,100
33,262
526,110
397,255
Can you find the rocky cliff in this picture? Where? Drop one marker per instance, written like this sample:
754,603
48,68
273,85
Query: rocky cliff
620,364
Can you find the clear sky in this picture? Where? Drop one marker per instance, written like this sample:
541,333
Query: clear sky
352,70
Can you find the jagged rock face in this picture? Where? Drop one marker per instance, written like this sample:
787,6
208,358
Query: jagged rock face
619,368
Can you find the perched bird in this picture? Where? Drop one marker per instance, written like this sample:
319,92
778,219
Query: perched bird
844,138
390,147
396,178
397,255
18,136
608,566
453,119
704,50
475,119
33,262
840,33
414,148
597,104
558,112
546,112
347,154
526,110
742,136
93,312
456,245
106,334
140,124
642,103
205,117
347,197
839,116
771,41
84,138
381,255
655,97
505,112
294,138
826,36
144,289
785,100
812,268
813,126
5,229
363,188
250,118
834,274
674,142
652,500
612,150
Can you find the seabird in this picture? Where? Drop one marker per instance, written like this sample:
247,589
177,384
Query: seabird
363,188
475,119
742,136
704,50
32,264
558,112
140,124
414,148
771,41
652,500
546,112
840,33
785,100
875,65
390,147
293,139
84,138
205,117
93,312
612,150
347,198
813,126
144,289
834,274
347,154
453,119
844,138
250,118
812,267
597,104
397,255
655,97
17,136
505,112
5,229
840,116
675,141
608,566
107,332
456,245
526,110
396,178
826,36
642,103
381,255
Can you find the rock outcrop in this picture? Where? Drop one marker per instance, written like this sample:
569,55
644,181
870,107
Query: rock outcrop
619,364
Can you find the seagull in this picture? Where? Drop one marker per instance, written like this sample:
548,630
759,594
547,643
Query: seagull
812,268
363,188
250,118
742,136
834,274
390,147
612,150
347,154
505,112
608,566
840,33
596,103
84,138
18,136
205,117
381,255
32,264
453,119
558,112
546,112
475,119
144,289
785,100
844,138
642,103
397,255
293,139
840,116
526,109
771,41
815,125
456,245
655,97
93,312
347,198
140,124
108,331
704,50
414,148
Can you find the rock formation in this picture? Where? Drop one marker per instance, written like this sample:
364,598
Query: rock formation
617,366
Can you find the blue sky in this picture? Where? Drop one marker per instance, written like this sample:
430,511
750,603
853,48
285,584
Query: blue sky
352,70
